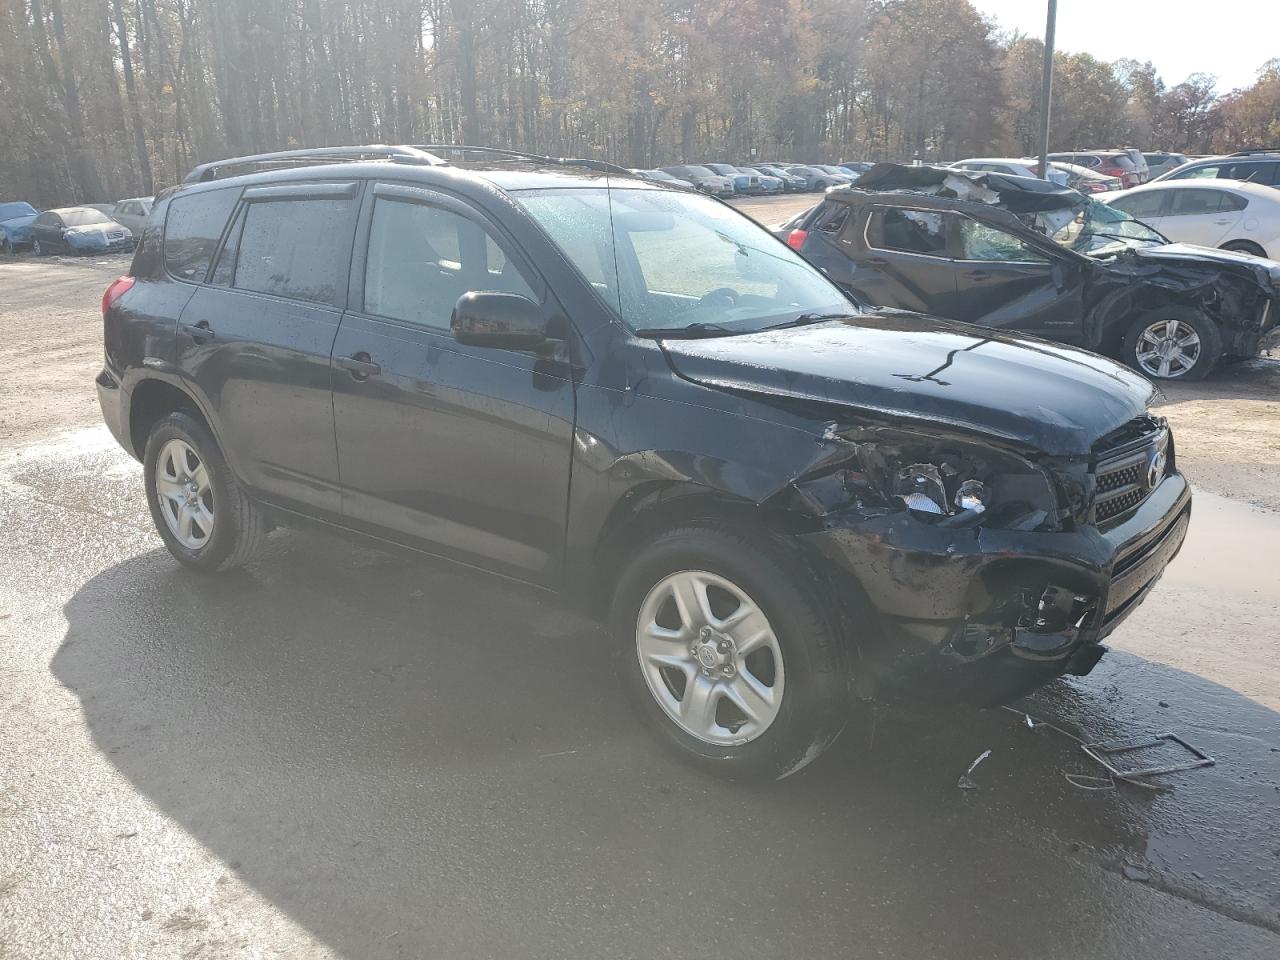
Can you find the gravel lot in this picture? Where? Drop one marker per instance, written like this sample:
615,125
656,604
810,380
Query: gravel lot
340,753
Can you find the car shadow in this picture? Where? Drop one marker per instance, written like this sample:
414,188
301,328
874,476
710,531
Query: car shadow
415,761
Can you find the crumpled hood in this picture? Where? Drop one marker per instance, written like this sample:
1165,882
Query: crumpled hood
1055,399
1266,272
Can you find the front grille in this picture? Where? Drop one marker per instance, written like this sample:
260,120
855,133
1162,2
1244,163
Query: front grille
1131,462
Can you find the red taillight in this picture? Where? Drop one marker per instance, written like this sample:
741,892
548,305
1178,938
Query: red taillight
118,288
796,238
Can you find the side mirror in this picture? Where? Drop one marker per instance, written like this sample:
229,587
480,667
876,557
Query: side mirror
507,321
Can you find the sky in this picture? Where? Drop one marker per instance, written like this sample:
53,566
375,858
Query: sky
1180,37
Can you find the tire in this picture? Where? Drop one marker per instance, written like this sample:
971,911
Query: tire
798,668
218,502
37,248
1146,331
1244,246
6,245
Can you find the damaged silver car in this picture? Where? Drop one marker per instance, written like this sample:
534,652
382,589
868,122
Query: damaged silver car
1023,254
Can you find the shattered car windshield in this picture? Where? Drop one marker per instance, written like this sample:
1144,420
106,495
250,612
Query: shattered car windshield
1099,230
680,262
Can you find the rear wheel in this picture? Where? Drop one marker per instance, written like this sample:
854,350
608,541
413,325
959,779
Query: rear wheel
38,248
199,508
728,652
1173,344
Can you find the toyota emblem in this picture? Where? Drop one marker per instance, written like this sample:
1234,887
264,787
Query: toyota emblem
1155,469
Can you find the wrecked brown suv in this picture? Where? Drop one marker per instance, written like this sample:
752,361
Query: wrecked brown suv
635,397
1018,253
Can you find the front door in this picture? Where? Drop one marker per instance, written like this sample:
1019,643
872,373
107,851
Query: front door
457,450
1004,281
257,339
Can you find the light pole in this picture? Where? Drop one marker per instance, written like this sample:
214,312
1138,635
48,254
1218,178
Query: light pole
1046,88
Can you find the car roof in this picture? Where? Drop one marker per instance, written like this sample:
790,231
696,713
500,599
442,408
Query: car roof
83,208
459,176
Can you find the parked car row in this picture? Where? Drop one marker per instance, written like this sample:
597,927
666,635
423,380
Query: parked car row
88,228
758,179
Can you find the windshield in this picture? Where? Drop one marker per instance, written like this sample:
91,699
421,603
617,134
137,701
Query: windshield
83,218
669,261
1099,230
10,211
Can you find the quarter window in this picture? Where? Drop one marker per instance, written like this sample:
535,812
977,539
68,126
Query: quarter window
295,248
908,231
192,228
423,258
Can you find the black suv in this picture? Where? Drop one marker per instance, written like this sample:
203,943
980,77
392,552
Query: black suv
638,398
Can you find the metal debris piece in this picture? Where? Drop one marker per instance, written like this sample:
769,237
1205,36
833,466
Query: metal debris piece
1106,752
966,782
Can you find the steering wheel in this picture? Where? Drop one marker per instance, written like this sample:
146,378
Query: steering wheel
720,293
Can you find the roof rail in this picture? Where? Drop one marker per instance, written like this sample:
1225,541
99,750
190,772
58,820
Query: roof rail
1253,150
504,154
313,155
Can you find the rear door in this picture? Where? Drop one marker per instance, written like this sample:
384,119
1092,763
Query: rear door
457,450
1201,215
258,336
1004,281
901,258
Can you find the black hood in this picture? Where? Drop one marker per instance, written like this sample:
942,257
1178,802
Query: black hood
1054,399
1266,272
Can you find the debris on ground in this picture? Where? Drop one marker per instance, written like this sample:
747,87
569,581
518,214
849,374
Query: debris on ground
1135,873
966,782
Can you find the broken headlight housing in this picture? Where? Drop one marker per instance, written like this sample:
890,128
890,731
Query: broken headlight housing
952,483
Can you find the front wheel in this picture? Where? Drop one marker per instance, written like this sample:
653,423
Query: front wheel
1173,344
38,248
729,653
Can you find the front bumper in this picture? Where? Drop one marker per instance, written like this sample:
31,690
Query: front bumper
987,615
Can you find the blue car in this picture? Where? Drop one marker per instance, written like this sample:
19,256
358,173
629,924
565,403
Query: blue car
78,230
16,218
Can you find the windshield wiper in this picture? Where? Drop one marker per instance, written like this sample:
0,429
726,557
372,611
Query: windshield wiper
693,331
807,318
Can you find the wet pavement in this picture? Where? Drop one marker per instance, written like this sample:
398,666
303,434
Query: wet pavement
339,752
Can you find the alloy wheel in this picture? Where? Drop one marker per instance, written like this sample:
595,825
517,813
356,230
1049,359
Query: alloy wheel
186,497
1168,349
710,657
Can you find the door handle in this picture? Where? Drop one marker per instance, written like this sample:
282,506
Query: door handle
359,365
977,275
1222,223
876,262
199,331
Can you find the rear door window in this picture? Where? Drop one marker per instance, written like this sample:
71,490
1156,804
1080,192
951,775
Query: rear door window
922,232
192,228
1190,203
296,248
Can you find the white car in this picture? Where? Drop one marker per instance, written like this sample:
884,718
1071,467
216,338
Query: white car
133,213
1230,214
1014,167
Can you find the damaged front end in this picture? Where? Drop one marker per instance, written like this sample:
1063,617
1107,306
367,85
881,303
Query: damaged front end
987,568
